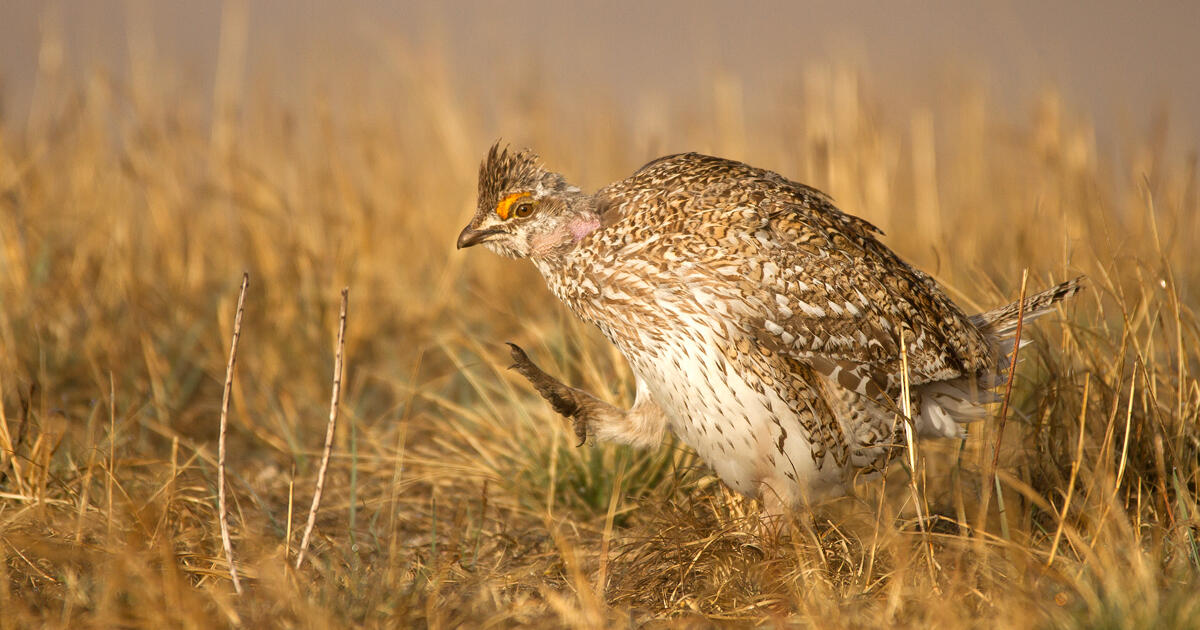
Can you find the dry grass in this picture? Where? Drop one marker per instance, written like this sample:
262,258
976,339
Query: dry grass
455,496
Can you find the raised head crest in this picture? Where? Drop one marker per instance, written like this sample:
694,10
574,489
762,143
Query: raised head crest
505,171
524,209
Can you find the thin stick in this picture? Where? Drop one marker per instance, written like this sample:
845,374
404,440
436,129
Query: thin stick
911,444
1012,372
112,448
333,411
287,537
906,406
221,509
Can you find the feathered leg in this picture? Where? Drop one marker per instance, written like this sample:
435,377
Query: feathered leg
641,425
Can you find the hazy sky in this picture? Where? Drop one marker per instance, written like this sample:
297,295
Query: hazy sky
1119,61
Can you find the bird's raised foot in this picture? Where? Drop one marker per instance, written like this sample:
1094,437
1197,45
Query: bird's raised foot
564,399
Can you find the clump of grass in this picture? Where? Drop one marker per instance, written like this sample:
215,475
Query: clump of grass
453,495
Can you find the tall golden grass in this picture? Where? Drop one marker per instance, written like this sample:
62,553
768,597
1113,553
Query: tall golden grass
455,496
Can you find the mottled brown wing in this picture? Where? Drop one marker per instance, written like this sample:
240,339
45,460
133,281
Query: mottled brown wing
812,282
842,300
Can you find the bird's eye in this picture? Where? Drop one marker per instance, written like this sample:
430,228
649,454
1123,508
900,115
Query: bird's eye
523,210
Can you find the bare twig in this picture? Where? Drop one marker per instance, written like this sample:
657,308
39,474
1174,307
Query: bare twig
333,411
911,446
112,448
221,509
287,537
1012,371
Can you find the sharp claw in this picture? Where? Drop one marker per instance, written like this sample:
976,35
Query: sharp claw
550,389
518,355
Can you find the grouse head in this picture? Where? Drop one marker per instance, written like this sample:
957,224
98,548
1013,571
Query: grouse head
526,211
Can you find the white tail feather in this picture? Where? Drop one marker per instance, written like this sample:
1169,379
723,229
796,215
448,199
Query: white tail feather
947,404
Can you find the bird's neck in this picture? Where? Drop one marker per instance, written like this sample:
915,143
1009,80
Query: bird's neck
579,221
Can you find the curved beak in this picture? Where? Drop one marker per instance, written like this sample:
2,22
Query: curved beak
469,236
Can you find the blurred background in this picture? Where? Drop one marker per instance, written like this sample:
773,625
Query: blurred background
1123,63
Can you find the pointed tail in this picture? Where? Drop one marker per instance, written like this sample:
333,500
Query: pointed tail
946,404
1001,323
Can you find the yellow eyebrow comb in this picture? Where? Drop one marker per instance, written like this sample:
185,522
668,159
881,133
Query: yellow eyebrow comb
502,208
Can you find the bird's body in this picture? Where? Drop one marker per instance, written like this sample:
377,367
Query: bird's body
764,325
